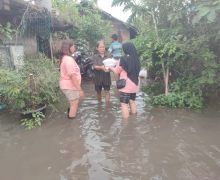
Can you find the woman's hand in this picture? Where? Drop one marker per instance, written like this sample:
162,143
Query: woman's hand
109,68
81,94
106,69
100,68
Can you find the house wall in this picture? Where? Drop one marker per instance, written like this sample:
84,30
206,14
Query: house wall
11,14
30,46
5,4
45,3
29,43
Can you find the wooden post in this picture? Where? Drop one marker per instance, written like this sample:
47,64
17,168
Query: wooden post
51,48
32,86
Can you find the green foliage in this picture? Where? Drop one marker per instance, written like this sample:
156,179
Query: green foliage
181,100
93,28
153,89
87,20
68,10
15,86
7,30
46,78
183,36
144,44
207,11
35,121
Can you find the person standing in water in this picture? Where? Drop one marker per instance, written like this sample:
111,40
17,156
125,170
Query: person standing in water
128,69
102,78
70,78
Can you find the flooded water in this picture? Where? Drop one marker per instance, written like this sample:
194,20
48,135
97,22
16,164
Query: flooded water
157,144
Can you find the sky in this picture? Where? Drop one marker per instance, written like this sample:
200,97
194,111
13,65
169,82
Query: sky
114,11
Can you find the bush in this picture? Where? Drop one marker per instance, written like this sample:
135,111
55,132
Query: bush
13,89
35,121
46,76
15,86
153,89
180,100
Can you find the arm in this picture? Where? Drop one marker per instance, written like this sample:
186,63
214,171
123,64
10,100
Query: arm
117,69
99,68
73,71
114,70
77,84
96,66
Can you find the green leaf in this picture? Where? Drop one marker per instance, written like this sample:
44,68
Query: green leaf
211,16
203,11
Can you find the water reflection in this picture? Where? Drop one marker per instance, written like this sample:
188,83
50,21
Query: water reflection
155,144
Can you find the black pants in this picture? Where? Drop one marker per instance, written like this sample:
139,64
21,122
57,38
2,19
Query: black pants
125,97
99,88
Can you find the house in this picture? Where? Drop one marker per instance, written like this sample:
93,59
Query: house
35,23
28,19
124,30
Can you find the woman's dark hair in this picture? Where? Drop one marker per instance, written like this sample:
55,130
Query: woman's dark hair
129,49
97,45
130,62
114,37
65,47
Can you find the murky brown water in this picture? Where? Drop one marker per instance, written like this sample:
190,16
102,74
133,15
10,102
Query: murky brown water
157,144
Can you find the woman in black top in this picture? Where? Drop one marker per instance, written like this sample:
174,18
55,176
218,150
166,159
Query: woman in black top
102,78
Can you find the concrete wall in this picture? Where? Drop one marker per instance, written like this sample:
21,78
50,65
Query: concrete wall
45,3
4,4
29,43
30,46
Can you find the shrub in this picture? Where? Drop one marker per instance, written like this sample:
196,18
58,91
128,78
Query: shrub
15,86
179,100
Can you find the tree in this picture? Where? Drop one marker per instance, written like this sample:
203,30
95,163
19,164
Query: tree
181,37
149,9
86,17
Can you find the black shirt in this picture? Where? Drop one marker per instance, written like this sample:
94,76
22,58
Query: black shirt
100,77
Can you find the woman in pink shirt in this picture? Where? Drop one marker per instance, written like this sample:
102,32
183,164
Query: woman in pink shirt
128,68
70,78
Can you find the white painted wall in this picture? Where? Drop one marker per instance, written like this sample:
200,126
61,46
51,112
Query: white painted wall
44,3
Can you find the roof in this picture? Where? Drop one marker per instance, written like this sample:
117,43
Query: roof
17,8
109,16
59,24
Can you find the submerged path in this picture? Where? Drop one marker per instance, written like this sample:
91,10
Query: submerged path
157,144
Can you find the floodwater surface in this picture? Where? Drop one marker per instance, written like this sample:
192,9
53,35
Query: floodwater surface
156,144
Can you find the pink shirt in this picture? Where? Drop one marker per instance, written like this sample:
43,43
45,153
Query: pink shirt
69,67
130,86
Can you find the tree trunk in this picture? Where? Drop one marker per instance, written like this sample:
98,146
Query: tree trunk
165,78
167,82
165,69
155,24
